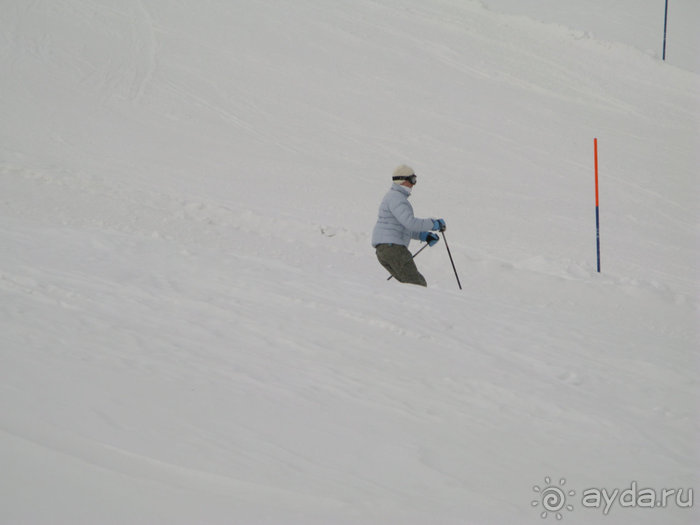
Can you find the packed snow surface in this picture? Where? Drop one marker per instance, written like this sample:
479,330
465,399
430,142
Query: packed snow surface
193,324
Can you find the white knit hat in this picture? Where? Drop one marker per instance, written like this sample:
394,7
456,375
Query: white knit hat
402,171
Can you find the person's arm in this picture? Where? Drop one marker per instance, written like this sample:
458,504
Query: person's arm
403,211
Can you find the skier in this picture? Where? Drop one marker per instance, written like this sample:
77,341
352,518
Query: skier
396,226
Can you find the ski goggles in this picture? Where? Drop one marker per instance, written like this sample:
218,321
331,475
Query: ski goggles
410,178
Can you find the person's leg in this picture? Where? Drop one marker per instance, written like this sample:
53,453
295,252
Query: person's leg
399,263
384,259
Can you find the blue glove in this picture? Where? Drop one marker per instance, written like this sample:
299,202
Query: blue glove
430,238
439,225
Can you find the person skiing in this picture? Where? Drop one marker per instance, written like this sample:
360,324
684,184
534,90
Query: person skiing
396,226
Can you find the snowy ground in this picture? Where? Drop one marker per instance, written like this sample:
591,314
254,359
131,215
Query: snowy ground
194,328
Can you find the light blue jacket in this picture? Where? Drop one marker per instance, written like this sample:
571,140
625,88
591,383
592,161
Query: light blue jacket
396,223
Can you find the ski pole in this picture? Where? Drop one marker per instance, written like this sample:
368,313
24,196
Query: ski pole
412,257
453,263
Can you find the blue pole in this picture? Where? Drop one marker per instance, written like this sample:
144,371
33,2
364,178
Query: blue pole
597,233
665,25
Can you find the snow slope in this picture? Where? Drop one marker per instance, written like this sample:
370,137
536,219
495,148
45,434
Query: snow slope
636,24
194,328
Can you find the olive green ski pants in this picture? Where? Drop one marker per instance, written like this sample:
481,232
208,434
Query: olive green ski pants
398,261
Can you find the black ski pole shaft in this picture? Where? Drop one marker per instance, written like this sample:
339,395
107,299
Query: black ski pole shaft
412,257
451,260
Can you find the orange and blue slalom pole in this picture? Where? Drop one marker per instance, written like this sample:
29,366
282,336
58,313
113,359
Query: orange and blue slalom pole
597,203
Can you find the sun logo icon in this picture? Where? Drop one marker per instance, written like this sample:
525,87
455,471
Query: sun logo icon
552,498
